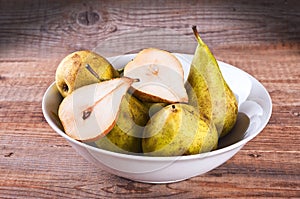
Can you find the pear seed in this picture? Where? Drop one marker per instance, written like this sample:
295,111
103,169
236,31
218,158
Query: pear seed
86,113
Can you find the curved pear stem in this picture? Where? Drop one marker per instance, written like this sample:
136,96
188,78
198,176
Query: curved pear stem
197,35
121,70
91,70
133,79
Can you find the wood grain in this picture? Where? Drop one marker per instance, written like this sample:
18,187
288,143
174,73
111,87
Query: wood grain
261,38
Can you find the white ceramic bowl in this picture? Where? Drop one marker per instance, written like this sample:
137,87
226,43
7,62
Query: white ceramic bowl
255,108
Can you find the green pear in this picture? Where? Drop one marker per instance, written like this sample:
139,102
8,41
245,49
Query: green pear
126,135
178,129
71,73
208,91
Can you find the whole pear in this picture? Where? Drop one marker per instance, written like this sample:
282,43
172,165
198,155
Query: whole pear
125,137
178,129
71,73
208,91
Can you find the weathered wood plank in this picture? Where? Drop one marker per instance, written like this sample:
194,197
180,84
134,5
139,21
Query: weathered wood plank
49,29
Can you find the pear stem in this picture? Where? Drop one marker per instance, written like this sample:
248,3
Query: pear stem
133,79
197,35
121,70
136,80
91,70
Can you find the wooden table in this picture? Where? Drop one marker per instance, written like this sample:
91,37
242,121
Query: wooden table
262,39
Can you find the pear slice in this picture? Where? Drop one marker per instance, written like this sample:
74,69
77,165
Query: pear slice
160,74
90,112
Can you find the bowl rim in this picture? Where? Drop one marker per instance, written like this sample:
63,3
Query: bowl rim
240,143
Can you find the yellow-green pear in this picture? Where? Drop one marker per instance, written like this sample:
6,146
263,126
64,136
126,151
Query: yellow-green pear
72,73
126,135
208,91
178,129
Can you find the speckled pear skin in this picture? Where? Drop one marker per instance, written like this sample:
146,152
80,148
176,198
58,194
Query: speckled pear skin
178,129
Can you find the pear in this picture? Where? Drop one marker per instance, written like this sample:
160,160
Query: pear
208,91
90,112
160,74
71,73
126,135
178,129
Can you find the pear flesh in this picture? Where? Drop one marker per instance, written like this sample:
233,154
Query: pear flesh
90,112
126,135
160,74
178,129
208,91
72,74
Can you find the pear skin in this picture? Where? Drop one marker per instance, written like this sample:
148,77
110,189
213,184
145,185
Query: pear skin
208,91
71,73
154,107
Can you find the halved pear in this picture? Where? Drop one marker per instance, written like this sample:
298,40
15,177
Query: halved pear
90,112
160,74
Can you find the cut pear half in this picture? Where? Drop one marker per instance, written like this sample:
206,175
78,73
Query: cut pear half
91,111
160,74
